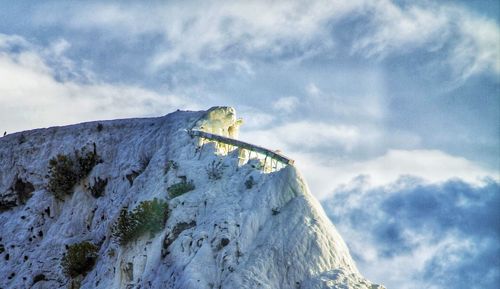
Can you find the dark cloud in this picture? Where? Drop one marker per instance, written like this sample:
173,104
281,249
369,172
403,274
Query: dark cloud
411,215
476,267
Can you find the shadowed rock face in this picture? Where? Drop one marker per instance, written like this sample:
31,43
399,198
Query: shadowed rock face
24,190
221,234
18,194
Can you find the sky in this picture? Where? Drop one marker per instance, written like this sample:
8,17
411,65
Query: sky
391,109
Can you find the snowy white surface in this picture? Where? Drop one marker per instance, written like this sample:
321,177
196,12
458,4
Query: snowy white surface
274,235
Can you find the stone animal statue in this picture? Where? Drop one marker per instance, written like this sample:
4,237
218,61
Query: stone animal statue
220,120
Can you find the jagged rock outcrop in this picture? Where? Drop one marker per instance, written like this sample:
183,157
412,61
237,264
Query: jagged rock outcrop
226,232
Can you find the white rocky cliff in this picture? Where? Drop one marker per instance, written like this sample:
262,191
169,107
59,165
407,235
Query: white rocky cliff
236,226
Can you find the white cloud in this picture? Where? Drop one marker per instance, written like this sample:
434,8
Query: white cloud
306,135
397,271
474,42
8,41
312,89
430,165
393,28
478,49
326,154
421,234
240,29
286,104
215,34
310,145
198,32
254,118
364,102
30,96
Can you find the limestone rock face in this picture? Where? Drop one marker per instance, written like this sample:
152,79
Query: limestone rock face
226,232
220,120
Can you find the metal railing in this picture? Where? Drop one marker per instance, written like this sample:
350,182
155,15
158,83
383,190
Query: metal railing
243,145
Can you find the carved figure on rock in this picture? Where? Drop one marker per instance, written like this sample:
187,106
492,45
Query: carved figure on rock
220,120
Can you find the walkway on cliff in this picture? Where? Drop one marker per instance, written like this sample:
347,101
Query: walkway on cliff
267,153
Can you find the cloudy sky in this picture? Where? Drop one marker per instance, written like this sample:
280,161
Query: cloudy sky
390,108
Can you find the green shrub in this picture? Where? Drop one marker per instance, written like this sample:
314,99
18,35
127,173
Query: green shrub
180,188
66,170
86,161
79,259
151,216
148,216
124,229
62,175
